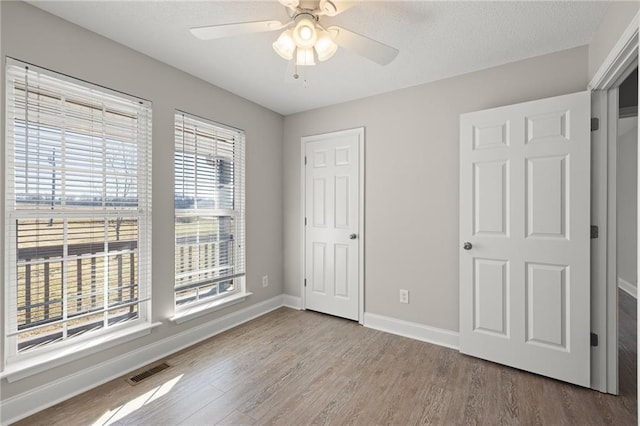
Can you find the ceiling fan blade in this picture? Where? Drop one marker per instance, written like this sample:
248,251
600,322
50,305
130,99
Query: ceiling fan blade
344,5
230,30
334,7
363,46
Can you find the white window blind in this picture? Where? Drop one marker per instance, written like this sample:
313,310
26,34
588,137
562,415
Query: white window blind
209,208
78,208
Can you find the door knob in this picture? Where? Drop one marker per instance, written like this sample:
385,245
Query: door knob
467,245
353,236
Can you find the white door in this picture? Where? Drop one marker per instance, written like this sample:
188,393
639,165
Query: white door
332,223
524,229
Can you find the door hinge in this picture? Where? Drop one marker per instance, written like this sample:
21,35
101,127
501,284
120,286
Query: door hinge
595,124
305,282
305,160
594,232
305,221
594,339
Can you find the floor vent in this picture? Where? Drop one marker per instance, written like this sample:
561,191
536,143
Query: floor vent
139,377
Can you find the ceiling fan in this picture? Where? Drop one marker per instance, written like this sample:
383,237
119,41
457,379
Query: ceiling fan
304,37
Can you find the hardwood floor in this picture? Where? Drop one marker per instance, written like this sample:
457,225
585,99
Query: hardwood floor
297,368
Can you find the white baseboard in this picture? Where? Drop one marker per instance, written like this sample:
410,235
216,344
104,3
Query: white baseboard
293,302
412,330
628,287
28,403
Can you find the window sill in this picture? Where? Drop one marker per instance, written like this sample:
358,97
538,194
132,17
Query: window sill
20,369
206,308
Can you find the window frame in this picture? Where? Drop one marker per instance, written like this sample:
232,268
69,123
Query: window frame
236,213
109,333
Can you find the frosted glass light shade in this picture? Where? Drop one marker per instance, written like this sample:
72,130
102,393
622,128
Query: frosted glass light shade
325,46
305,34
304,57
284,45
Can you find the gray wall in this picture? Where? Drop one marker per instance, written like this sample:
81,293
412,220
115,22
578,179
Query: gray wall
411,181
615,22
34,36
627,197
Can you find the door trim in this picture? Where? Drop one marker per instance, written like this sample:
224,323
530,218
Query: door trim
622,58
359,131
618,59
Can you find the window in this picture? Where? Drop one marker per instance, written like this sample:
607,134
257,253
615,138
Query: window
78,210
209,209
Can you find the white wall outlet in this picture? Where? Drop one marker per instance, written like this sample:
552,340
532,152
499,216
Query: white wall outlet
265,281
404,296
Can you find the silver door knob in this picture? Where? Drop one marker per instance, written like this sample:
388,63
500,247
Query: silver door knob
467,245
353,236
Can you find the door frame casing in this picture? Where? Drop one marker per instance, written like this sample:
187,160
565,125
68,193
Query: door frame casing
360,132
617,65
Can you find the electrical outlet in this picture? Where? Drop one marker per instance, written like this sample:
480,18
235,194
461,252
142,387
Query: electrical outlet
265,281
404,296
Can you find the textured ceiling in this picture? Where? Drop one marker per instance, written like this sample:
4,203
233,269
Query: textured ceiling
436,40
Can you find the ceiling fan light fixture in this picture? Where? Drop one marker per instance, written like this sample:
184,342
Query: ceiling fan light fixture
305,33
284,45
325,46
304,57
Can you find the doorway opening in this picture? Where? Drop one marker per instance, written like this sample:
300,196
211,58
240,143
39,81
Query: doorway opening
627,232
606,194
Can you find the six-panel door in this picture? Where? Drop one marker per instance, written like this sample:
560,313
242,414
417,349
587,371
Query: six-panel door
331,230
525,208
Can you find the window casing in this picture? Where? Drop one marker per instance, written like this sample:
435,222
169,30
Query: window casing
209,167
78,211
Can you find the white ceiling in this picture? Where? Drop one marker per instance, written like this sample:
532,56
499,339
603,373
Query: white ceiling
436,40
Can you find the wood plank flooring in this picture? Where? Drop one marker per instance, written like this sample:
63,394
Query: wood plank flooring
297,368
